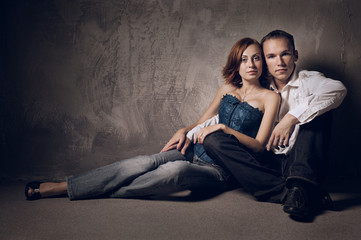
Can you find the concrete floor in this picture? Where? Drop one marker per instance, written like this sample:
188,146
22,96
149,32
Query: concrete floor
231,215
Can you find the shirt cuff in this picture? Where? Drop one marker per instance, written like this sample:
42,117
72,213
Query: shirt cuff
297,112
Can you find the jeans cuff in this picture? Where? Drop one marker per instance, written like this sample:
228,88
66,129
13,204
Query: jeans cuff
289,180
68,184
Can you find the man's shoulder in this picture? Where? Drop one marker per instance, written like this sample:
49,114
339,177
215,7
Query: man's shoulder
314,79
305,74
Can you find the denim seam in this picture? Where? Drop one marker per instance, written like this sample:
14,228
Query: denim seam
223,175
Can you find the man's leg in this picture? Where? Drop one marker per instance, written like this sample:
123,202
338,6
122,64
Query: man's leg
259,176
308,158
305,169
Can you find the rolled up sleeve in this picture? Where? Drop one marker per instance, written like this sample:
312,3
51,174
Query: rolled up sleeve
323,94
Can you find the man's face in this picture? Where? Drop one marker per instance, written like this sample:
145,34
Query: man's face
280,58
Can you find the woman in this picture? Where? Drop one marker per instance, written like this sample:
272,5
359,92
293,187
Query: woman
245,110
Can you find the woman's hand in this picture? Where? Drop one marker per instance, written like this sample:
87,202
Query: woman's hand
176,141
185,146
204,132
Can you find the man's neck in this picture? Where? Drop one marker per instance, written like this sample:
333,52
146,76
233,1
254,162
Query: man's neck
280,84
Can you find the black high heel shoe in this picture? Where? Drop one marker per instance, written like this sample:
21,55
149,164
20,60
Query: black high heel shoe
36,191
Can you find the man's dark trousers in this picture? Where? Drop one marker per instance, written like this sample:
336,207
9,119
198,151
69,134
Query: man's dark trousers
265,175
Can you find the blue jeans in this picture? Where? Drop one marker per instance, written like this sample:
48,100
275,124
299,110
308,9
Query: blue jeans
145,176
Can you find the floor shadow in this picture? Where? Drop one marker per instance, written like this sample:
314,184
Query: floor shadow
193,196
309,219
347,203
345,194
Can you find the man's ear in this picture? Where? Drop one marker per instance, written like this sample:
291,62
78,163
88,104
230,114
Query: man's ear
295,54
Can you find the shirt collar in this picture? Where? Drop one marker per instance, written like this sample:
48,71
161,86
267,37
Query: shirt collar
294,79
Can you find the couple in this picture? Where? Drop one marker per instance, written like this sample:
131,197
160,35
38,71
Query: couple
264,130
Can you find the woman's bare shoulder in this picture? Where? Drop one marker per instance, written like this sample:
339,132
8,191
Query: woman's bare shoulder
270,95
268,92
227,88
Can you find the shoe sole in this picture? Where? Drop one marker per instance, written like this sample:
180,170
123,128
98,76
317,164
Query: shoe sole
295,213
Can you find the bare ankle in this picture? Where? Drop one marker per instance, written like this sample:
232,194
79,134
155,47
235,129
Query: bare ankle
49,189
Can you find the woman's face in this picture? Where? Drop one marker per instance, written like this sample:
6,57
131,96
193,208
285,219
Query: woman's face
251,63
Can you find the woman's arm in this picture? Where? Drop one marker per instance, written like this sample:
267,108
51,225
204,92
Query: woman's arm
179,137
258,144
209,122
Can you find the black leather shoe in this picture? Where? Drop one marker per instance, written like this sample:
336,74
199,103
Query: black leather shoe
34,186
304,203
298,203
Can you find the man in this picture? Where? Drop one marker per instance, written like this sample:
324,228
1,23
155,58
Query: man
290,172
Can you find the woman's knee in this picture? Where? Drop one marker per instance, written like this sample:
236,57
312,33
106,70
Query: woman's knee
172,172
173,168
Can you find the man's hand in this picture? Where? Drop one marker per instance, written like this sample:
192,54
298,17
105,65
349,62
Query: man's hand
176,141
282,132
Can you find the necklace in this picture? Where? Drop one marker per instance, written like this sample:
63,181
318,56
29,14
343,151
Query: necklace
244,96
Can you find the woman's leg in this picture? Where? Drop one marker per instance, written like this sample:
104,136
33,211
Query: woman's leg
106,179
174,177
47,189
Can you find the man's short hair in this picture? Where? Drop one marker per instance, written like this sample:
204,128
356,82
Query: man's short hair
279,34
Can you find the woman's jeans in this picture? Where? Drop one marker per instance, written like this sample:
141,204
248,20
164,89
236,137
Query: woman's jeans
145,176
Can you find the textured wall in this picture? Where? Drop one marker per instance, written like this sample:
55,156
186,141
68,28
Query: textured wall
88,82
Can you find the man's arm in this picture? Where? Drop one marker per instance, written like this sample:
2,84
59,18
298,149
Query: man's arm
191,134
321,95
178,139
212,121
282,132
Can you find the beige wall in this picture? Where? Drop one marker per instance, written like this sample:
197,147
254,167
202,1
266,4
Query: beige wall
89,82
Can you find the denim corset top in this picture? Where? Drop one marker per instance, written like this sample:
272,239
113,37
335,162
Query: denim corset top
239,116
